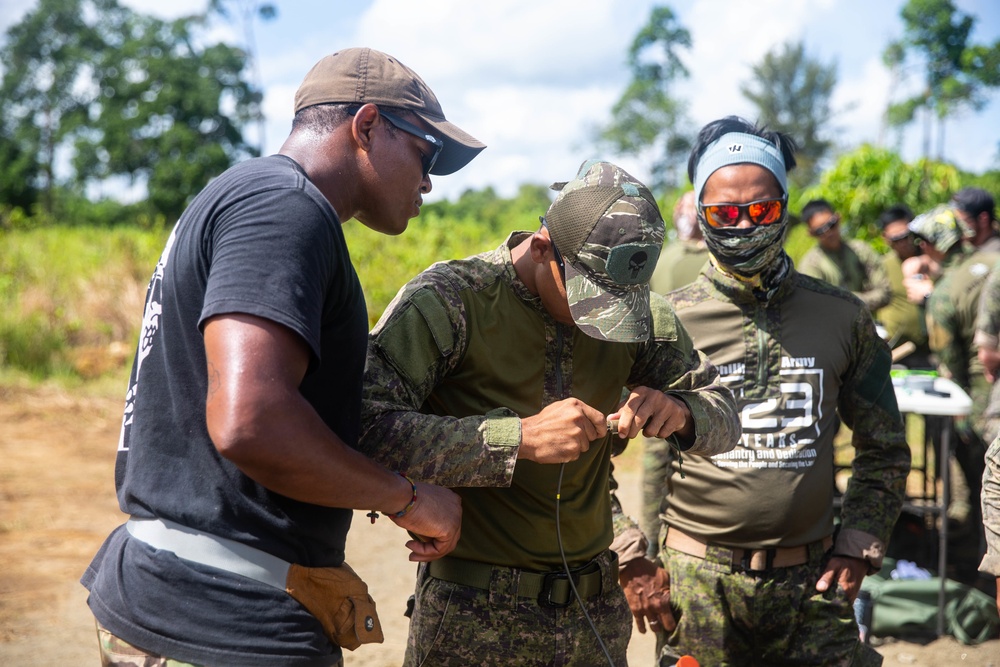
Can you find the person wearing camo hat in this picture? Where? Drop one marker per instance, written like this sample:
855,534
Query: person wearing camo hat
757,573
495,375
941,236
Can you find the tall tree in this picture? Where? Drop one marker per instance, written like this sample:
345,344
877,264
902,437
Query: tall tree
956,74
792,93
121,94
647,118
44,58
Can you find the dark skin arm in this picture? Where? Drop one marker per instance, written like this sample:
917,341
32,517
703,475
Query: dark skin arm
846,571
259,421
647,589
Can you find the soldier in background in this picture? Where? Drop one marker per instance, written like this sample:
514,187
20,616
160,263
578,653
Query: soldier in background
952,309
991,515
852,265
903,320
681,261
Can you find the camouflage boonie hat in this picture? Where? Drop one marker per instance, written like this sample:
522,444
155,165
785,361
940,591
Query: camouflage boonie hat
940,227
608,228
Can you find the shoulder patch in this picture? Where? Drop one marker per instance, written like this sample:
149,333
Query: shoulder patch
416,335
429,305
664,318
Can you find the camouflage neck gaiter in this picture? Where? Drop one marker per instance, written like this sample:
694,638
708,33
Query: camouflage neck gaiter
745,252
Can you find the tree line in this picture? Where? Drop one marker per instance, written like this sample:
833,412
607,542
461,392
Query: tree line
95,93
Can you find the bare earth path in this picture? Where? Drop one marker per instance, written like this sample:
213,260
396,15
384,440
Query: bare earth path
57,504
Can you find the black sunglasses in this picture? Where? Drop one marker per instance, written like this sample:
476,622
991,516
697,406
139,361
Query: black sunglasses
427,161
555,250
760,212
826,226
898,238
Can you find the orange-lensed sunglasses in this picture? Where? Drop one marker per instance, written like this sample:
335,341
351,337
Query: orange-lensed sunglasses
760,212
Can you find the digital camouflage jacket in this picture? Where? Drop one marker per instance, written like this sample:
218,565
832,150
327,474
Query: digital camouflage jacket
464,352
798,364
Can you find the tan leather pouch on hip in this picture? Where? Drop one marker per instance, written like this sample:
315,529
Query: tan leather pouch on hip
339,599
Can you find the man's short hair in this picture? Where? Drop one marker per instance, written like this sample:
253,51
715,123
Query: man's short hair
322,118
815,206
897,213
974,201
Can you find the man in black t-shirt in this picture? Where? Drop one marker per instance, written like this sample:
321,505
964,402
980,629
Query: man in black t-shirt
236,461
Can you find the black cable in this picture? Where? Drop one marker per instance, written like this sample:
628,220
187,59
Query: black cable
569,575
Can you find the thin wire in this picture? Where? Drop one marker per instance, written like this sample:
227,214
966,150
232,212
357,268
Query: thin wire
569,575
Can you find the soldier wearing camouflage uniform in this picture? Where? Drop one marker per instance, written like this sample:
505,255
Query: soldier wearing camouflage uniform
977,206
991,514
987,341
852,265
681,261
903,320
757,574
494,375
951,311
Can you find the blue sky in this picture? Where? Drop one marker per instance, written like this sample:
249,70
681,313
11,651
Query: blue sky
532,78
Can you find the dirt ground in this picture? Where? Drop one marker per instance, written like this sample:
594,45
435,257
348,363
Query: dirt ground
57,504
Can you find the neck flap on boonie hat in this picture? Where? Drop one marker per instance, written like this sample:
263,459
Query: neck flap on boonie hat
940,227
363,76
608,228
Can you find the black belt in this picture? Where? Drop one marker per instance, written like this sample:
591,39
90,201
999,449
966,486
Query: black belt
551,589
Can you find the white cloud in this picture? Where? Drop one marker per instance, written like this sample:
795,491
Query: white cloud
861,98
532,77
727,40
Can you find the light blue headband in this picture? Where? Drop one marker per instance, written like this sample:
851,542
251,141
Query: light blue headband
739,148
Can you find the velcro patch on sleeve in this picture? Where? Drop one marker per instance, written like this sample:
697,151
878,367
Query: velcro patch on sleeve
664,319
417,336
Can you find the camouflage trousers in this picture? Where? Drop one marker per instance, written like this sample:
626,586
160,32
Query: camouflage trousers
116,652
727,618
461,625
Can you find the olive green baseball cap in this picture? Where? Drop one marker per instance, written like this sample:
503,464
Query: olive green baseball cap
608,228
363,76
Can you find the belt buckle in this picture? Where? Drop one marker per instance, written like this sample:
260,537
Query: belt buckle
548,583
746,561
550,580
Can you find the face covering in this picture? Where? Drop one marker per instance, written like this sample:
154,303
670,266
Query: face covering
746,252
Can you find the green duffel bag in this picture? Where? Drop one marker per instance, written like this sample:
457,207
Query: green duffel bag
907,608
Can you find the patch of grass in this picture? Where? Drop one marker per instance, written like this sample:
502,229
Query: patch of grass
68,293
